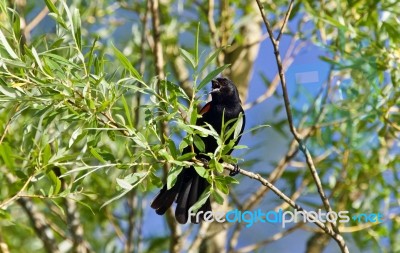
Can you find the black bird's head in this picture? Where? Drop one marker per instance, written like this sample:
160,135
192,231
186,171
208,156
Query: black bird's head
224,91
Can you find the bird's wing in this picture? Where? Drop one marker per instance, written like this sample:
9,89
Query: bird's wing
205,108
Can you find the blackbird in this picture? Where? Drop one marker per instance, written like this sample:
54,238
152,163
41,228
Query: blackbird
224,106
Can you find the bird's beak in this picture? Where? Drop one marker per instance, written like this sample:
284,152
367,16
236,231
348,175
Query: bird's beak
215,86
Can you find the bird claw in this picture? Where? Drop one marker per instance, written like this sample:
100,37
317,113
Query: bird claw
235,170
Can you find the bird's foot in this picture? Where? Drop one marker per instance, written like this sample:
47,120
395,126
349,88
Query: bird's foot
235,170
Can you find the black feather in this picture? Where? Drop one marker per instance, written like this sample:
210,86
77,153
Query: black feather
225,104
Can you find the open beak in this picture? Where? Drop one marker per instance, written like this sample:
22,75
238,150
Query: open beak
215,86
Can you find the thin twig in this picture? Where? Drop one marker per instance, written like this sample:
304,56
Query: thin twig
291,53
176,240
275,43
257,196
285,20
293,204
18,195
38,220
133,198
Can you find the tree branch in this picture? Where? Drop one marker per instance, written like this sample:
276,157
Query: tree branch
175,243
258,177
302,146
37,219
285,20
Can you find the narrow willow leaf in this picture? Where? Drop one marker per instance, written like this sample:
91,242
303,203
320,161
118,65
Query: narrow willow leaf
202,199
97,155
37,59
188,57
186,156
127,64
199,143
127,111
211,75
76,19
51,6
211,58
239,125
7,46
128,183
123,184
196,46
217,197
172,175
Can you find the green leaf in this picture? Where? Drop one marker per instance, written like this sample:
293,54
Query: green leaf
227,179
211,58
239,126
172,175
16,24
196,46
222,187
228,147
7,46
51,190
217,197
211,75
203,172
127,111
186,157
96,155
254,129
172,148
219,167
188,57
74,136
9,92
7,154
127,64
130,182
76,19
240,147
46,154
184,143
140,140
216,165
232,126
202,199
193,115
56,182
51,6
163,152
183,126
198,142
204,131
115,198
124,184
91,55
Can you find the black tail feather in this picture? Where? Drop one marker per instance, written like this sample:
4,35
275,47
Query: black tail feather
181,214
186,191
165,198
